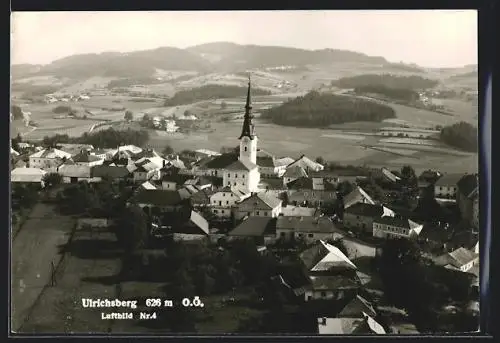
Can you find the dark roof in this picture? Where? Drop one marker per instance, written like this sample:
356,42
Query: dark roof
448,180
110,171
301,183
307,224
395,221
429,175
255,226
333,282
157,197
202,197
356,307
265,161
368,210
220,162
467,184
85,156
295,171
179,179
272,183
323,257
241,165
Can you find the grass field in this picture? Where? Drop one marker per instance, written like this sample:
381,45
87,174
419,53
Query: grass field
59,309
33,249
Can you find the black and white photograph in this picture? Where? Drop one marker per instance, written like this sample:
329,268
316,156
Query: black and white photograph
244,172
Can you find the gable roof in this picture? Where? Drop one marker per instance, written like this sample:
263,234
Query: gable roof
241,165
157,197
356,307
271,184
307,163
367,210
27,175
357,195
297,211
349,326
295,172
283,161
255,226
457,258
397,221
51,153
85,157
307,224
261,201
323,257
300,183
178,179
219,162
113,172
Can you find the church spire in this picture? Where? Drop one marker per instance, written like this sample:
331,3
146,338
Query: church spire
248,128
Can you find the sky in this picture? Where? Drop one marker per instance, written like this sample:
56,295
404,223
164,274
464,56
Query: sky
429,38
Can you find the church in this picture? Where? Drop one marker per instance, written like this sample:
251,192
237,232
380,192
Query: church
244,172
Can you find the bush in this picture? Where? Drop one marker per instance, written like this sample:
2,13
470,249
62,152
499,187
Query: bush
461,135
62,109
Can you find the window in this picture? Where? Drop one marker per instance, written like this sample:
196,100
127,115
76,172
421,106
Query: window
235,183
236,175
323,294
215,211
227,202
265,213
228,175
245,148
220,203
310,235
301,235
215,201
222,211
257,213
357,217
248,213
223,194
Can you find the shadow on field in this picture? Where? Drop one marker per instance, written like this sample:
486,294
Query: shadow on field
92,249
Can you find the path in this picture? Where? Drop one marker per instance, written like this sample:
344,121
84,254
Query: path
34,248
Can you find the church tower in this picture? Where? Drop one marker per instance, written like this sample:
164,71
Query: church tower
248,139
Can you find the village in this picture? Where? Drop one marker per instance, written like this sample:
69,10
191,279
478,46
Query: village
329,230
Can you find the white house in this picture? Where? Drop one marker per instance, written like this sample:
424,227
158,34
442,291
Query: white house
27,175
307,164
72,173
48,158
460,259
395,227
146,170
350,326
223,200
447,185
309,229
269,166
361,215
85,158
243,173
293,173
258,204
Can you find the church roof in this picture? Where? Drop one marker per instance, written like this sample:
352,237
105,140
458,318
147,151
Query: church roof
248,128
241,165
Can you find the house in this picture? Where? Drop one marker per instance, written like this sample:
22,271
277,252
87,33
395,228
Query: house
460,259
360,248
155,200
269,166
215,165
468,199
149,185
72,173
310,229
273,186
361,215
244,173
48,159
145,170
174,181
201,199
324,258
293,173
446,186
300,184
312,198
296,211
114,173
350,326
261,229
357,308
28,176
99,153
307,164
329,287
395,227
321,176
194,228
85,158
223,200
356,196
258,204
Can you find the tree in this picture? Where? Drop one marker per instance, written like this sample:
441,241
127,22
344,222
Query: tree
17,112
223,105
146,121
129,116
320,160
52,179
408,176
163,123
133,229
167,150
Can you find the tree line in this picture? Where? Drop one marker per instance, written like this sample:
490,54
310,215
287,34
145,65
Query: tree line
210,92
461,135
109,138
393,93
320,110
391,81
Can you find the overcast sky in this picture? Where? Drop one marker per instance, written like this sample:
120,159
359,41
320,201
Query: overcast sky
429,38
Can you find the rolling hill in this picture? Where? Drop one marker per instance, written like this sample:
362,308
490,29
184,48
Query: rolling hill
211,57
